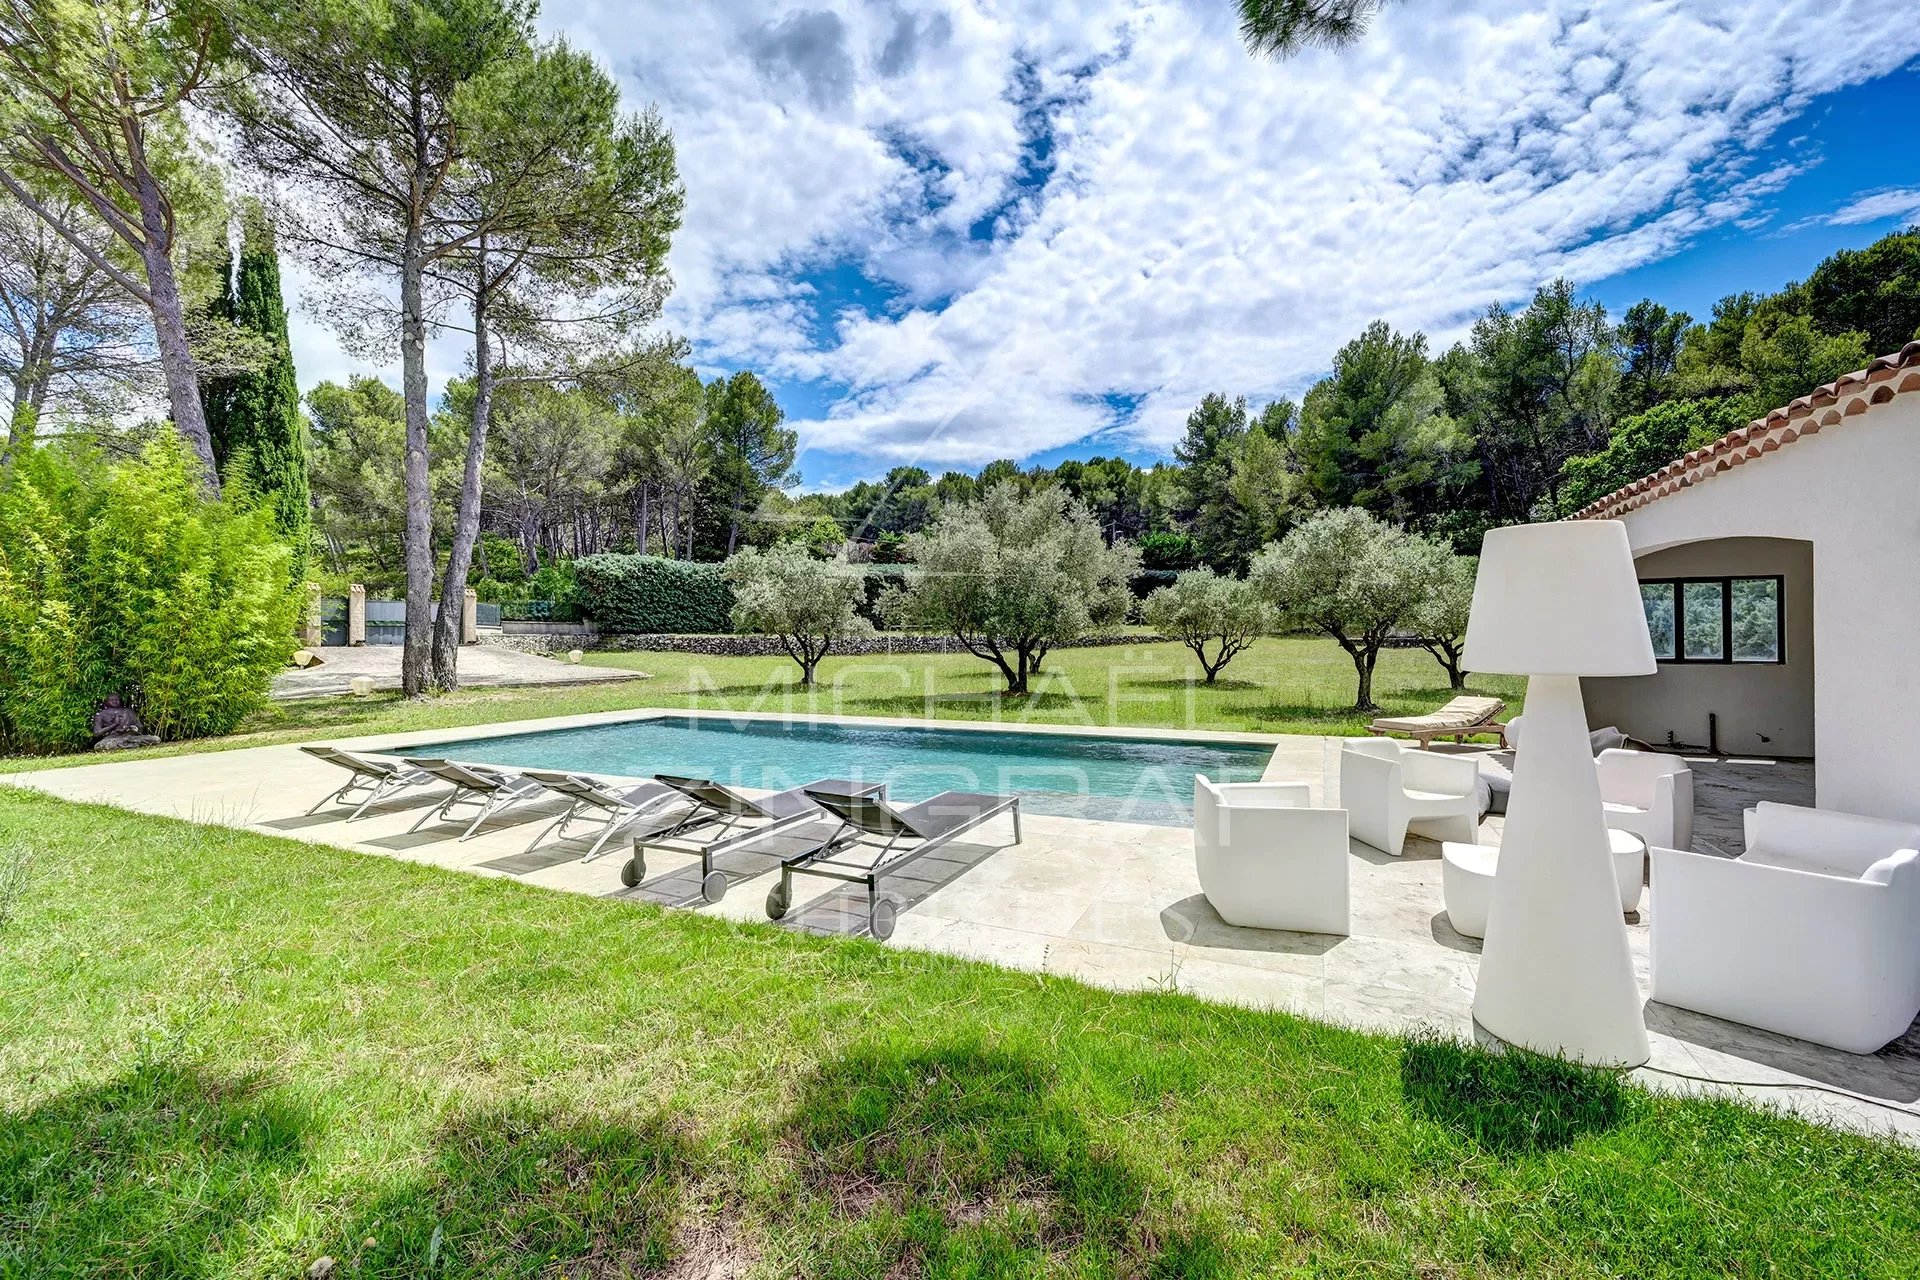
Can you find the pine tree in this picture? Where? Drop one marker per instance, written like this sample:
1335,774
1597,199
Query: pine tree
254,417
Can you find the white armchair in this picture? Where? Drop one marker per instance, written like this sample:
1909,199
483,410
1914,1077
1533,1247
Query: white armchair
1810,933
1388,788
1649,794
1266,860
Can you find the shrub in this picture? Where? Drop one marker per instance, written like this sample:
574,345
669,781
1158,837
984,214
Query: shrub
1169,550
557,581
122,578
651,594
1148,581
880,584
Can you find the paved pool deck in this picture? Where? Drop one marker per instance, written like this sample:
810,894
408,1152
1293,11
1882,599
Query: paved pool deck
1113,904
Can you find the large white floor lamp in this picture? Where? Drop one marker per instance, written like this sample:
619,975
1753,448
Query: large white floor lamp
1555,602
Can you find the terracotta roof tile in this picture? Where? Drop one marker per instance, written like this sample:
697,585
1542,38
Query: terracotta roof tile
1826,406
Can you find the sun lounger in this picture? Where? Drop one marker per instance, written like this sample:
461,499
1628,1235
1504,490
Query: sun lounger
876,839
493,790
622,806
378,778
1459,719
742,819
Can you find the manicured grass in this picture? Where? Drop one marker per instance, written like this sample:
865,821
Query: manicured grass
225,1054
1286,685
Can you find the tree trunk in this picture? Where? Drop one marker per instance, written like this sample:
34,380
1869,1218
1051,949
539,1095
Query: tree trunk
1363,666
416,658
646,495
170,336
466,522
1448,656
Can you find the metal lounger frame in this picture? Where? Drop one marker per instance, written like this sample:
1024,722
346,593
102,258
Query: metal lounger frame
820,860
401,777
710,849
491,800
619,813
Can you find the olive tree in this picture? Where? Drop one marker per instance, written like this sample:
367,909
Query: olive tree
1441,619
1351,577
808,603
1011,575
1201,608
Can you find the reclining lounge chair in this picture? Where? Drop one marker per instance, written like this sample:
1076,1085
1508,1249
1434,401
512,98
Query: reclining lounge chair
742,820
876,839
1460,719
492,790
378,778
590,795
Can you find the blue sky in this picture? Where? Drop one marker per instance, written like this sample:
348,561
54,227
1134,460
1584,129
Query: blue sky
947,231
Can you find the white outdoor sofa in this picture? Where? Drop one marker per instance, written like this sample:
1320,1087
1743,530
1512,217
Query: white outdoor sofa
1268,861
1810,933
1648,793
1387,787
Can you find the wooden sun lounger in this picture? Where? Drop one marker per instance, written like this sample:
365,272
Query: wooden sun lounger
1460,719
742,819
891,837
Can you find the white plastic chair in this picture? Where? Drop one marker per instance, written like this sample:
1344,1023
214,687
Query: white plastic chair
1387,788
1810,933
1268,861
1649,794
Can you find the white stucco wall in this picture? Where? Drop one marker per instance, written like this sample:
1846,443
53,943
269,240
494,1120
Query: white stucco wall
1853,491
1763,708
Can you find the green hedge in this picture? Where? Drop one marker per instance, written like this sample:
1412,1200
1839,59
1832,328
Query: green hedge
651,595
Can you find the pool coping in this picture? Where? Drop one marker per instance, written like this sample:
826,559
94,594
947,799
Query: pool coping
390,742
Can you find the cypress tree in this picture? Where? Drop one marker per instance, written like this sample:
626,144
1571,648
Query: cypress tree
254,417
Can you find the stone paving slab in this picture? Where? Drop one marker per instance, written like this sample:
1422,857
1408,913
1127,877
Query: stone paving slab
1113,904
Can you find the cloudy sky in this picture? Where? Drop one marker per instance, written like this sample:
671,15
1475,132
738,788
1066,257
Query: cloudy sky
950,232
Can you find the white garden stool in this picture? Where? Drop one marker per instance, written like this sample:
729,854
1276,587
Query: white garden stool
1467,871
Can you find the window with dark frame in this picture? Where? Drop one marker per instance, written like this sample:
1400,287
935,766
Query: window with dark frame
1717,620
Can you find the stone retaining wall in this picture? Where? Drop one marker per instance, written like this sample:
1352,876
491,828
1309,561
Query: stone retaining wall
755,646
743,646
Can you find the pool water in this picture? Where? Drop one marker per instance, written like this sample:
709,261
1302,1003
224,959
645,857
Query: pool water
1070,775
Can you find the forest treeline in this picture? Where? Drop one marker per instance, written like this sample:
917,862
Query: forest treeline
1539,410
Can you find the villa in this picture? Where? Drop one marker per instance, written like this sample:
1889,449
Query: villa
1807,515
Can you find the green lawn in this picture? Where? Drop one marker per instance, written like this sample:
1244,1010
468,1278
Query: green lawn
225,1054
1290,685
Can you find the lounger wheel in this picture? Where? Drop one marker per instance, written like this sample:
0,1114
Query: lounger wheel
634,871
713,886
882,918
779,899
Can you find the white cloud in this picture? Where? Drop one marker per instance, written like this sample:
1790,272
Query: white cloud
1208,220
1872,208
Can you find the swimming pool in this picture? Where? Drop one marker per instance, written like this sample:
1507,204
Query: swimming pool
1072,775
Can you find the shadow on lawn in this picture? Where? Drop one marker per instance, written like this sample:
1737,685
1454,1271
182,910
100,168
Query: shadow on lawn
161,1173
143,1175
528,1192
1513,1102
961,1160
